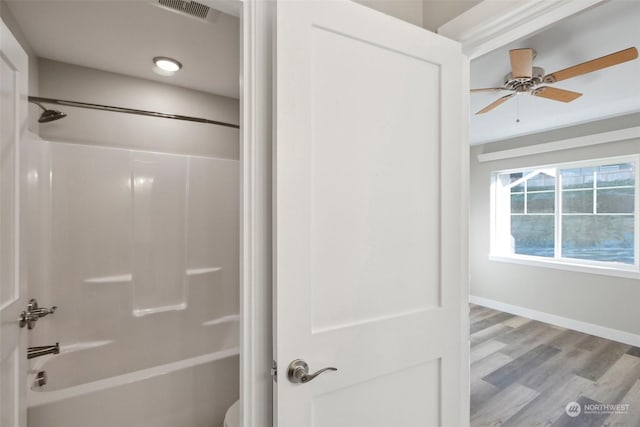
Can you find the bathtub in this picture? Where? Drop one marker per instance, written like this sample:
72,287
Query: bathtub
185,393
171,368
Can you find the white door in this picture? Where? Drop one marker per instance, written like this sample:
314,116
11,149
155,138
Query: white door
13,298
369,228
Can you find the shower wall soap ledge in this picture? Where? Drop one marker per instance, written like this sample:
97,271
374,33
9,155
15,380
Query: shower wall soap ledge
153,310
124,278
199,271
223,319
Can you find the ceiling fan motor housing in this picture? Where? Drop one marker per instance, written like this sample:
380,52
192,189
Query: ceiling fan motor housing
524,84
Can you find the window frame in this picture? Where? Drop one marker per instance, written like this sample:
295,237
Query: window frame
500,251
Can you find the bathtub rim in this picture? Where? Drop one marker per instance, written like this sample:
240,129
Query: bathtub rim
37,397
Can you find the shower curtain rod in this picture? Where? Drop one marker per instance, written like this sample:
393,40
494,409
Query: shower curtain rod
129,111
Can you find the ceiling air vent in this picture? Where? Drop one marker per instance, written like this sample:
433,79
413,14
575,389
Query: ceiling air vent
190,8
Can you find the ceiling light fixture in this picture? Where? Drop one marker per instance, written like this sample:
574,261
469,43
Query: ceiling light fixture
166,66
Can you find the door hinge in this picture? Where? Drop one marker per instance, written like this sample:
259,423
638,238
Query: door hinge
274,370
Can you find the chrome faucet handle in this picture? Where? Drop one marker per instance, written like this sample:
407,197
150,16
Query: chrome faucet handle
29,317
41,312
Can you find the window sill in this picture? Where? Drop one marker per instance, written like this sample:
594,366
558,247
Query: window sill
630,273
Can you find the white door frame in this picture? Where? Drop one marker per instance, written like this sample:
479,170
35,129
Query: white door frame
13,339
487,26
256,392
256,349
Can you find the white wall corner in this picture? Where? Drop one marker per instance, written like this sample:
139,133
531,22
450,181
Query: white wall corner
438,12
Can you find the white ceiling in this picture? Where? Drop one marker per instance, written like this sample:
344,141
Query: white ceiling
614,91
124,36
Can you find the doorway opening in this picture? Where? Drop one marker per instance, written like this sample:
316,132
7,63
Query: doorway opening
544,343
131,211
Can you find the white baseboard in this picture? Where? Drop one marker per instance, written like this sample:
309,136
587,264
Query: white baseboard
576,325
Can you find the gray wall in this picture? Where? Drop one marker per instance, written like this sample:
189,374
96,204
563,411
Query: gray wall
407,10
70,82
429,14
602,300
438,12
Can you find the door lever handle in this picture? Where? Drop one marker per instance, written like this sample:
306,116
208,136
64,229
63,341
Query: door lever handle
298,372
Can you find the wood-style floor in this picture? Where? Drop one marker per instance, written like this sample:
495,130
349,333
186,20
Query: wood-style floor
524,373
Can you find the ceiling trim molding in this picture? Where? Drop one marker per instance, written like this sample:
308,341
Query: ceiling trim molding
496,23
563,144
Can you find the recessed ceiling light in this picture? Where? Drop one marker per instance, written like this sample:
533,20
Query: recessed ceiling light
166,66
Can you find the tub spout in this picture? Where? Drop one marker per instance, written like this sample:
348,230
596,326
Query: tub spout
43,350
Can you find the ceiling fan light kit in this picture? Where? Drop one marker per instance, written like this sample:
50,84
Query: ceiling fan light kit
525,78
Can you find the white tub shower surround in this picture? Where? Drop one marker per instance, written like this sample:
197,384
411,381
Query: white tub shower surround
139,251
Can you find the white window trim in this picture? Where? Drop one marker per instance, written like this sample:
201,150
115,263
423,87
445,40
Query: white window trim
568,265
497,252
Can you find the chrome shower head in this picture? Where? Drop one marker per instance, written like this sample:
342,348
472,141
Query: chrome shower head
49,115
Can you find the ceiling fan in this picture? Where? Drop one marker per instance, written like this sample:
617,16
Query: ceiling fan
525,78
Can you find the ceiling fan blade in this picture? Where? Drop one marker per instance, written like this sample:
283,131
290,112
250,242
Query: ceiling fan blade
495,103
488,89
556,94
593,65
521,63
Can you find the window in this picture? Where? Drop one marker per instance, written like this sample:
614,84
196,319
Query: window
574,213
